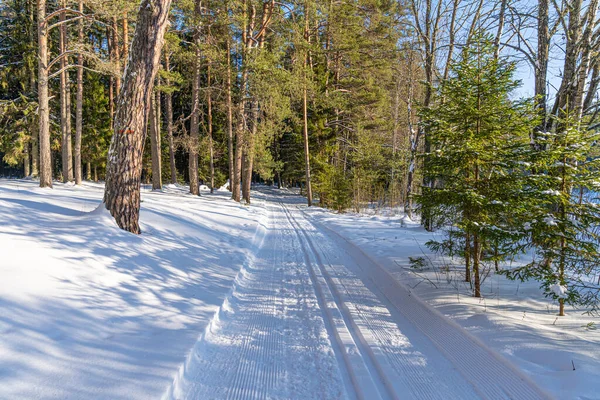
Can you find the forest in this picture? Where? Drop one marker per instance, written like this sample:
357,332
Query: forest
476,116
307,199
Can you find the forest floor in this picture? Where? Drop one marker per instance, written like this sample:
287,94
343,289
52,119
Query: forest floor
272,300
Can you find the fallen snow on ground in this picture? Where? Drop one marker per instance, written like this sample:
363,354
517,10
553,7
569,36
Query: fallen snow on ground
273,300
513,318
89,311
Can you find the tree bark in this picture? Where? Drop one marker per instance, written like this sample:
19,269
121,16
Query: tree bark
43,112
229,116
26,162
169,116
124,165
305,108
79,105
117,54
541,70
65,109
111,79
249,155
35,153
88,171
306,147
195,120
155,141
210,131
239,143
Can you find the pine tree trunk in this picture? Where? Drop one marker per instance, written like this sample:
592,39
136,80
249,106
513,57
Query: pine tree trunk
467,257
239,145
154,118
26,170
117,55
195,120
229,117
111,79
95,173
88,171
44,111
35,152
79,105
305,111
65,111
210,132
125,39
169,116
476,254
249,154
306,150
124,165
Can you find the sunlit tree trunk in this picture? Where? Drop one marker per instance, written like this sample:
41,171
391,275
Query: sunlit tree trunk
210,132
43,108
155,141
124,165
169,117
65,102
79,105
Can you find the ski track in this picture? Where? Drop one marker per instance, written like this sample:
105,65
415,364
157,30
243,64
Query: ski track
312,316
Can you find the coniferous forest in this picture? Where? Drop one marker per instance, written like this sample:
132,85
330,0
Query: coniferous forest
478,115
251,196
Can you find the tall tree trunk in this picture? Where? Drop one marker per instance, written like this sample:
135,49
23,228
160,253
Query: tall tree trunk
210,132
500,29
467,257
169,116
306,147
541,70
124,165
65,102
239,143
117,54
111,79
125,39
476,257
195,121
249,154
414,141
88,171
229,115
43,112
305,108
79,105
155,141
35,152
26,162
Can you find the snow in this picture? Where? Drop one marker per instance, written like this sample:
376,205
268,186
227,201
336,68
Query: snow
273,300
513,319
559,290
90,311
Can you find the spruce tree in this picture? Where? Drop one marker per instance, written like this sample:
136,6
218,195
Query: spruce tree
561,216
477,134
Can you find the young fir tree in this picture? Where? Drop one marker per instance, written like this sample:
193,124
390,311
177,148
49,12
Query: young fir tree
562,216
477,133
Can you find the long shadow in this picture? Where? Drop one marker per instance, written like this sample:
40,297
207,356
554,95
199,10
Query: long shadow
124,310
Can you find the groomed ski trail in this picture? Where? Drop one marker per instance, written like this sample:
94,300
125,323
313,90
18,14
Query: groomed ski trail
312,316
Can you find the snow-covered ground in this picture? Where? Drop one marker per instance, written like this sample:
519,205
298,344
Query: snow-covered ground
88,311
513,318
272,300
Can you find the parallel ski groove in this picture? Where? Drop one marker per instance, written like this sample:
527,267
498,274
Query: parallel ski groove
492,376
383,385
